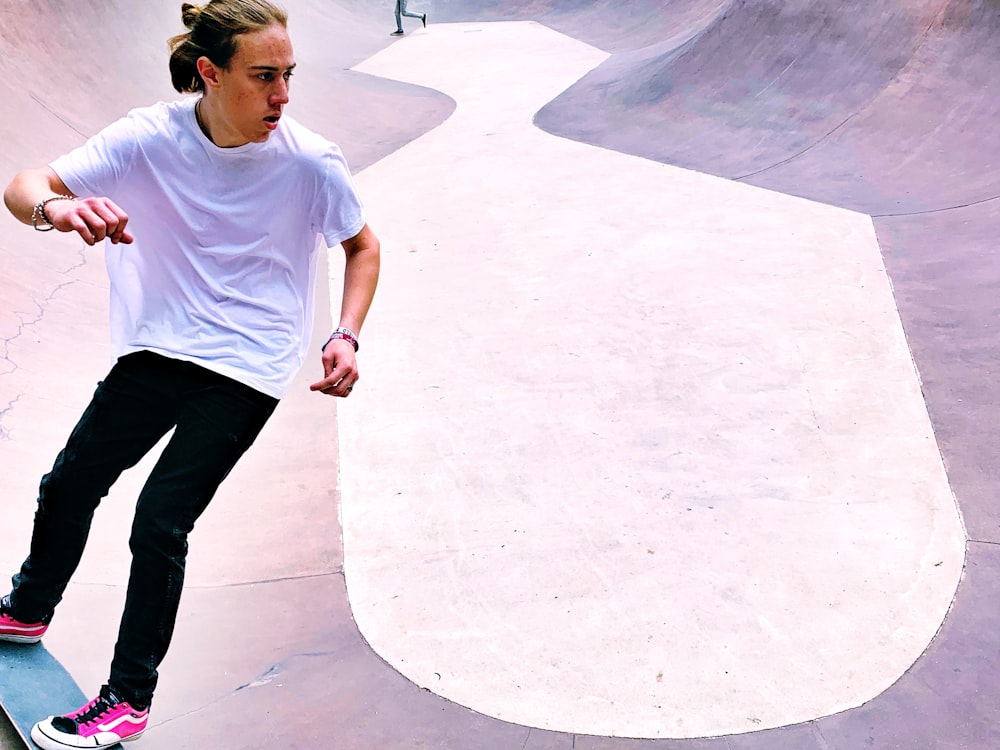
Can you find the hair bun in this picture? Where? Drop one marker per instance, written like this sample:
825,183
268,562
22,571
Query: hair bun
190,14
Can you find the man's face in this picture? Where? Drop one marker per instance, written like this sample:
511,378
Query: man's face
253,90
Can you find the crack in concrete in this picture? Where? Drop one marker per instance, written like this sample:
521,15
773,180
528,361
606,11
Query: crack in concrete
281,579
956,207
25,325
262,679
59,117
22,324
219,586
6,410
818,732
4,431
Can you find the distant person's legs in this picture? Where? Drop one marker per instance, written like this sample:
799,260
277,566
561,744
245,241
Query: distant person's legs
399,19
402,11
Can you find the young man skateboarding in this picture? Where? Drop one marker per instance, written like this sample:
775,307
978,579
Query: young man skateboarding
213,207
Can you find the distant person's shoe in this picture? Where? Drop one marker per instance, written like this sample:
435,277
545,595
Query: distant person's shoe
13,630
398,32
424,19
102,723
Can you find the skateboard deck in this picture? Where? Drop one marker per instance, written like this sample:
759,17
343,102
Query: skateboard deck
33,686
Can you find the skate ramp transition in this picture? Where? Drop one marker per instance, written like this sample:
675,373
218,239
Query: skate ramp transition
654,273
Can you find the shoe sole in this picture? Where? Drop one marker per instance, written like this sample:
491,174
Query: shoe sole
20,638
50,743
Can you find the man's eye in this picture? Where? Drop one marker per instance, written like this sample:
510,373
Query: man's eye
288,75
265,76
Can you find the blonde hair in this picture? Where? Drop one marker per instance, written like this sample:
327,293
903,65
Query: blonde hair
213,32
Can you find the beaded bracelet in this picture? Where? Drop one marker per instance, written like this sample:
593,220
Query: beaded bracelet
343,333
38,212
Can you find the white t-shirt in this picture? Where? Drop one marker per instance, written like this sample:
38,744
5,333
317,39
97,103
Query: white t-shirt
222,271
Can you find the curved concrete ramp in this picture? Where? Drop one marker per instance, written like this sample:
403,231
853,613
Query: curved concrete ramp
609,25
876,106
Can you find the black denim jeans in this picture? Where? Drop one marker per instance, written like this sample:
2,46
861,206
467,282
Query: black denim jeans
215,419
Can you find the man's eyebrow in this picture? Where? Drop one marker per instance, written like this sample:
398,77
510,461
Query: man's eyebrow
272,67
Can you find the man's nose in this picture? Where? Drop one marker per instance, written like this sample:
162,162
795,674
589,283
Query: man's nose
280,94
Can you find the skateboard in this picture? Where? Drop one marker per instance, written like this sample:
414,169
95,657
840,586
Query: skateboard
33,686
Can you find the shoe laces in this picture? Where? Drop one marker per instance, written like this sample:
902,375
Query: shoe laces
98,707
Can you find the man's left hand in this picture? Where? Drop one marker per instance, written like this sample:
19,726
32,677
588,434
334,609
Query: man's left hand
340,367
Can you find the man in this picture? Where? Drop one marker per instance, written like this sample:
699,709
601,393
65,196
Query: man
402,11
212,208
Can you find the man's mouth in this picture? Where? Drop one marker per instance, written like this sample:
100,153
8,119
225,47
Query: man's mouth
272,121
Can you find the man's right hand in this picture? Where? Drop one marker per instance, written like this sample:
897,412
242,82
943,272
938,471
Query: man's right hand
94,219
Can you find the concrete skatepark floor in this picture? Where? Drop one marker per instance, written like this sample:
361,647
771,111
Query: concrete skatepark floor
704,457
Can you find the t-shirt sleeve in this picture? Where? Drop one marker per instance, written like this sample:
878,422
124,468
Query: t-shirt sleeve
98,166
338,213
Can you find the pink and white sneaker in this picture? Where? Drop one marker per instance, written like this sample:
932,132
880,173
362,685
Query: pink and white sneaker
102,723
15,631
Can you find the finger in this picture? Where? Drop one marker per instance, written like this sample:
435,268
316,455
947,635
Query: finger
328,391
109,222
341,372
96,234
122,219
78,225
329,365
96,226
326,384
100,230
334,386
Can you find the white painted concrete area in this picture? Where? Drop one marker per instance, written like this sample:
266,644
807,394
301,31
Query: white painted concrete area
636,451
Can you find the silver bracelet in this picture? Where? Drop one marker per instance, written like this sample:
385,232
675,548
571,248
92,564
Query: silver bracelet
38,212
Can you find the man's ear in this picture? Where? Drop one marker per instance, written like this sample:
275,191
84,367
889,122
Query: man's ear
209,72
